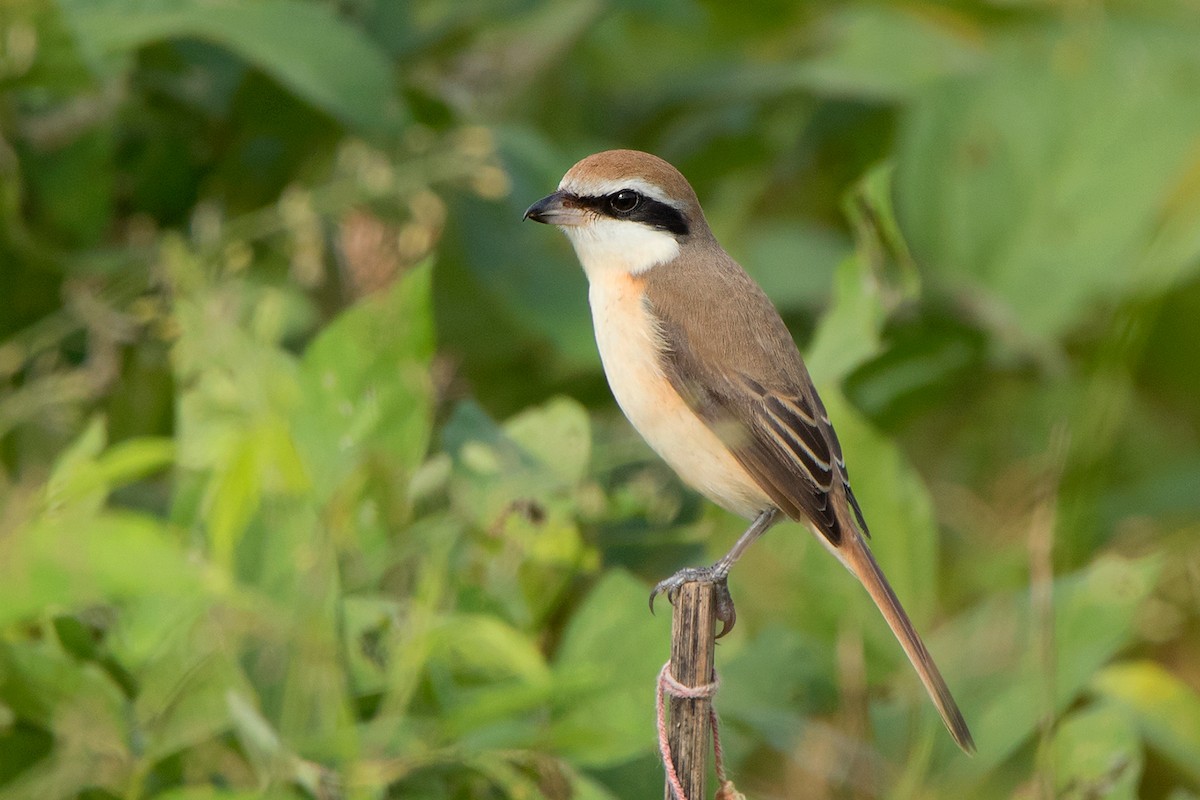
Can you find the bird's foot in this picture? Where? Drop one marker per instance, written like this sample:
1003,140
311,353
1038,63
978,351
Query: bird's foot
724,612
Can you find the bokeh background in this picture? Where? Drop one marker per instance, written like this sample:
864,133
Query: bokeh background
311,486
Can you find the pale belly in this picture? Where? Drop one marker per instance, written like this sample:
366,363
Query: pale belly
629,351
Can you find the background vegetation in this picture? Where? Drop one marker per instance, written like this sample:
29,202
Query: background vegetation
310,484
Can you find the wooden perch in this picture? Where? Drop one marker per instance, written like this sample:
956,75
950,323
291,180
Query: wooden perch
693,641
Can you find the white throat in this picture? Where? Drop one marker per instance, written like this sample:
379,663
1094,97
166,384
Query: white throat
605,246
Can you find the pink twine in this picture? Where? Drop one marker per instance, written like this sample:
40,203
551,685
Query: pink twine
667,684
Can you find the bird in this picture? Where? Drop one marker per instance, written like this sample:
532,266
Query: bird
700,362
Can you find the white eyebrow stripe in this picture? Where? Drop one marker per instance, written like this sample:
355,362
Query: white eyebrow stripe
607,187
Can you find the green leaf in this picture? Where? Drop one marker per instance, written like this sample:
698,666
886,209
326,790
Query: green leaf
55,65
991,660
891,494
71,478
88,476
366,621
849,332
316,713
585,788
885,53
79,705
366,383
617,647
1166,709
494,470
235,494
558,434
305,46
1096,752
265,749
1053,178
21,748
66,562
769,684
133,459
922,361
480,645
40,682
520,482
183,681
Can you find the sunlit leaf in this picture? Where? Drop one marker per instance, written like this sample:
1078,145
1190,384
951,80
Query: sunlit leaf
1166,710
234,499
85,474
67,482
68,562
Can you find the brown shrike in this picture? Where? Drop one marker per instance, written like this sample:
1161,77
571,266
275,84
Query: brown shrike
700,362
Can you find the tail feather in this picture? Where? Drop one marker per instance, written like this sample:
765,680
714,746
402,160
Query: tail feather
857,557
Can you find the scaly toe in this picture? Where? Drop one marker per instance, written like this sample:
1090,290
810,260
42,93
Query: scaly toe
724,612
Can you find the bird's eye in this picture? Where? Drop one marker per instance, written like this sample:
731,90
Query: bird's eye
624,201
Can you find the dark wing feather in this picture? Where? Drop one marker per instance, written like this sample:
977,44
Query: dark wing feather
731,358
780,438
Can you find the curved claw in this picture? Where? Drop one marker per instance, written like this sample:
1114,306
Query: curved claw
725,612
668,587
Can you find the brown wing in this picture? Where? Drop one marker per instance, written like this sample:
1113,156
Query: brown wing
781,440
752,389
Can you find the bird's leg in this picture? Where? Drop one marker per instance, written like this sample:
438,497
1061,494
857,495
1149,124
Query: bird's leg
718,573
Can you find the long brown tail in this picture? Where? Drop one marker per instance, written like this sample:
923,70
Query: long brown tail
854,553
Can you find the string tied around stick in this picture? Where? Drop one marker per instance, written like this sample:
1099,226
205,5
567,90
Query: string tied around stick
668,685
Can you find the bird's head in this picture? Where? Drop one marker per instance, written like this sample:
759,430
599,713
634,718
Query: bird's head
623,210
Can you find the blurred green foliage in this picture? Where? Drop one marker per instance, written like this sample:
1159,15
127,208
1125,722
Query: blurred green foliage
292,499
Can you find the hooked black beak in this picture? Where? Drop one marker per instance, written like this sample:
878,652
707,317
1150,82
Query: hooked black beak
554,210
